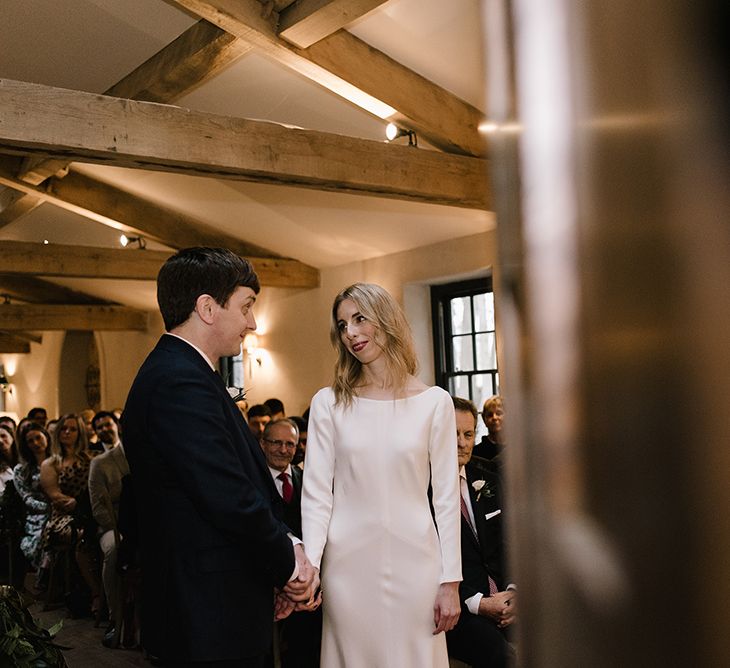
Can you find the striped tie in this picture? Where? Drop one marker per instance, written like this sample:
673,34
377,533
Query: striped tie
493,589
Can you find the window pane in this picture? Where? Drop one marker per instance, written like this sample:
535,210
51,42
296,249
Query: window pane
459,386
460,316
237,371
463,353
484,312
486,351
481,388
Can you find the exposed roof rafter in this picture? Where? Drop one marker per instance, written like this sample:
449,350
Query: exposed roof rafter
94,128
307,21
32,259
357,72
46,317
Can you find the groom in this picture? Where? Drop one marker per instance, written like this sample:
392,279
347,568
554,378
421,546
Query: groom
213,545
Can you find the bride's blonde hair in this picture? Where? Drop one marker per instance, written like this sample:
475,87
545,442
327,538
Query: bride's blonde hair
395,339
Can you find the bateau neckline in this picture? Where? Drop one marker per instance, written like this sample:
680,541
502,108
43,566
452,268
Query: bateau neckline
385,401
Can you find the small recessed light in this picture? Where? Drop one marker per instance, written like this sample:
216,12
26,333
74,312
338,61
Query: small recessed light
45,241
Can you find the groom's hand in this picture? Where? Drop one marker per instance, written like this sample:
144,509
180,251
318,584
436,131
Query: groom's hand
283,607
302,587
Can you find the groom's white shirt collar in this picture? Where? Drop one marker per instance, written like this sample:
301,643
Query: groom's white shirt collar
205,357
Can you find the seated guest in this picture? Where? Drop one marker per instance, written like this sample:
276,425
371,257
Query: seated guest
491,445
7,420
276,407
106,428
92,440
299,633
11,509
105,487
487,608
258,417
65,481
34,446
8,455
302,442
38,415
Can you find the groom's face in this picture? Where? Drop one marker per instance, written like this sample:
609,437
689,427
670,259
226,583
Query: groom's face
235,320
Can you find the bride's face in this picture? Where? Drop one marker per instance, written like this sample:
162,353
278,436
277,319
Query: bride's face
358,334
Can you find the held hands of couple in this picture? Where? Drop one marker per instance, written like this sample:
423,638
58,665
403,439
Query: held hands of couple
446,609
301,593
303,590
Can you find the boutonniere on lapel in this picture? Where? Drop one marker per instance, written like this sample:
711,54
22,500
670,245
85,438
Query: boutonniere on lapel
482,488
237,393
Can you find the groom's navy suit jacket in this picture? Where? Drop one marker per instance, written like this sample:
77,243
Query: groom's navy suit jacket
213,546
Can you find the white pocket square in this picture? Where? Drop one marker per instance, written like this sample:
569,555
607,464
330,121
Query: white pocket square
489,516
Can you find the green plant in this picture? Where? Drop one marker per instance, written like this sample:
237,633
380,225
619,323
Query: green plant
24,644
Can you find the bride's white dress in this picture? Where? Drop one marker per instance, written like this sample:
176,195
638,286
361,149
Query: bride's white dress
366,517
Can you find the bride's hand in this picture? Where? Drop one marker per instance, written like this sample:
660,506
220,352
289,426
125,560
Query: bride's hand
446,609
311,605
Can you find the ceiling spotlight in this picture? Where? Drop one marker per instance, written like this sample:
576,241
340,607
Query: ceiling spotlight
392,132
125,241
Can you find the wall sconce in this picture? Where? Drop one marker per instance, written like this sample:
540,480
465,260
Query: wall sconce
140,241
251,348
5,385
392,132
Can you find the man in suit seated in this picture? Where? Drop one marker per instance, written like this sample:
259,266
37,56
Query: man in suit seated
299,634
487,607
105,487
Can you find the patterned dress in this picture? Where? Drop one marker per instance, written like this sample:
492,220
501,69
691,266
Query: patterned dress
62,527
37,510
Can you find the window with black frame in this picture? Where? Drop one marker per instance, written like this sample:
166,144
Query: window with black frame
465,345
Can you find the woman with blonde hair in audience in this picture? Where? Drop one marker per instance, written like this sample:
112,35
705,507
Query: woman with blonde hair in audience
491,446
378,438
65,481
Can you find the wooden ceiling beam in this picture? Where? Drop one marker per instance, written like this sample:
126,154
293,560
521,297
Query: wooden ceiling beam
307,21
14,204
25,336
18,205
357,72
197,55
94,128
134,215
23,258
26,288
45,317
13,344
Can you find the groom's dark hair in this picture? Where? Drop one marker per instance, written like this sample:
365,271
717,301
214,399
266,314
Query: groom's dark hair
192,272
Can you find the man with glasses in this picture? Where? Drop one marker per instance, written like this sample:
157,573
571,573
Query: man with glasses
300,633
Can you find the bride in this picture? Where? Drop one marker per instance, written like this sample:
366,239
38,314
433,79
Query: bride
378,439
